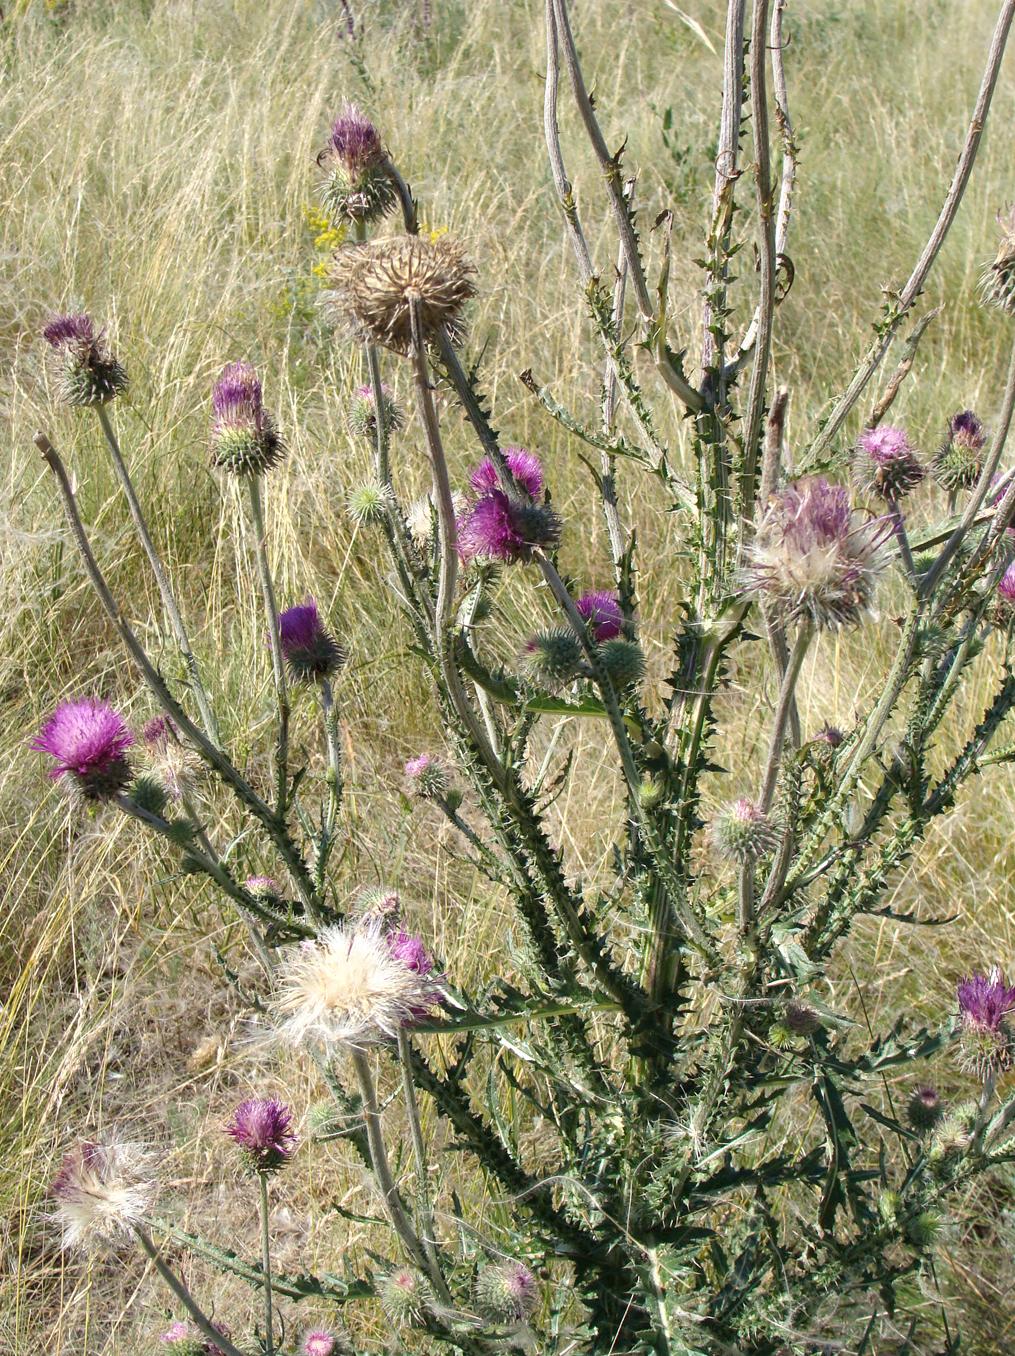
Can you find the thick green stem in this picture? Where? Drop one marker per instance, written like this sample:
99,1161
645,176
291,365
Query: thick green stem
269,1321
424,1211
781,720
329,717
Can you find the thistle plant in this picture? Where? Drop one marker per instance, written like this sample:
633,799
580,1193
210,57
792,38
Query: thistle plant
722,1160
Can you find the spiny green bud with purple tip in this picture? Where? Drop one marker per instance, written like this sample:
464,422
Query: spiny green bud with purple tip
149,795
958,462
91,374
953,1134
986,1043
355,186
406,1297
889,1205
926,1228
797,1021
741,831
924,1108
244,439
427,777
885,462
262,1127
506,1292
311,653
555,655
324,1122
623,661
362,413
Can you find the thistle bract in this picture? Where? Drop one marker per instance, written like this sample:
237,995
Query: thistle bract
406,1297
244,439
506,1292
816,558
362,415
355,186
885,462
427,777
924,1108
623,661
959,460
555,656
375,286
986,1041
741,831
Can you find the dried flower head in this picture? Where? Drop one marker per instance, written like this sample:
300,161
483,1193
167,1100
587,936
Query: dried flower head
244,439
554,655
741,831
422,516
262,1127
355,186
959,460
815,557
885,462
924,1108
102,1192
346,989
173,765
362,413
375,286
427,777
984,1004
506,1292
310,651
997,282
601,609
406,1296
525,467
91,374
88,742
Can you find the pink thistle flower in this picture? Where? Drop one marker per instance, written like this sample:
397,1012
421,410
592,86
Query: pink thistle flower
158,732
601,609
91,374
525,466
984,1004
502,527
244,438
886,462
1006,588
409,949
507,1292
262,885
356,185
88,741
355,141
65,331
427,777
262,1127
310,651
320,1343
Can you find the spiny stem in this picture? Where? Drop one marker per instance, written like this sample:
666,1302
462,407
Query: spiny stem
329,717
423,1210
269,1338
781,719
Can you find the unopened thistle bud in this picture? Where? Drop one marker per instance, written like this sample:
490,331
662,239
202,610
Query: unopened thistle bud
406,1297
924,1108
555,656
311,652
355,186
997,283
244,439
427,777
814,557
889,1205
885,463
262,1127
375,904
953,1134
374,288
90,374
506,1292
623,661
926,1228
362,415
323,1342
149,795
88,742
741,831
798,1020
959,460
650,792
986,1044
263,887
324,1122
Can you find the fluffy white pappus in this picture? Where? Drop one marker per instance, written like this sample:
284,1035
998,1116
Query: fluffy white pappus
102,1192
347,988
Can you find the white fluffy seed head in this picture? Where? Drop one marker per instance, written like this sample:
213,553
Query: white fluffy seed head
102,1192
345,989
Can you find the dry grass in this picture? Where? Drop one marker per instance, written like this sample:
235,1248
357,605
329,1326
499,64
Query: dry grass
156,167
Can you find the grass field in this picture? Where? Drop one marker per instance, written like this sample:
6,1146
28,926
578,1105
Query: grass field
157,168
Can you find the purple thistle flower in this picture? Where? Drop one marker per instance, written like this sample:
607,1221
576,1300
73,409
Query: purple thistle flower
504,527
90,375
830,735
262,885
966,429
320,1343
984,1003
814,556
65,331
176,1332
262,1128
886,462
88,741
410,951
427,777
309,649
506,1292
158,732
1006,588
244,438
525,466
355,140
601,609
